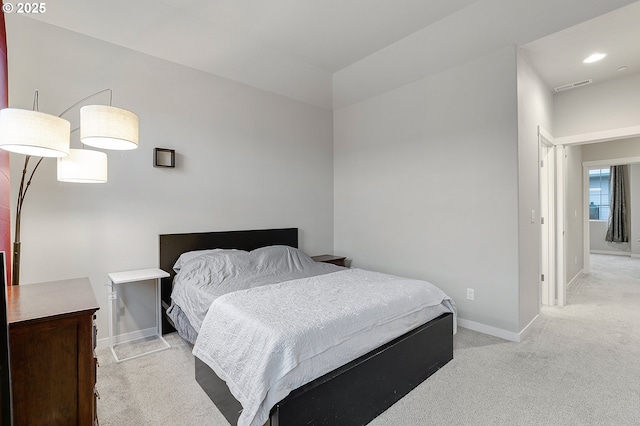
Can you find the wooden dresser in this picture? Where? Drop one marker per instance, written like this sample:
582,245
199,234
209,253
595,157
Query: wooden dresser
52,346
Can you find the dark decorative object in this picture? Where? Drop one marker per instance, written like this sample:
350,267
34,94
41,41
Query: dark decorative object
163,157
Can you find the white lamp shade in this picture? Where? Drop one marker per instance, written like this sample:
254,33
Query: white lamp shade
83,166
34,133
108,127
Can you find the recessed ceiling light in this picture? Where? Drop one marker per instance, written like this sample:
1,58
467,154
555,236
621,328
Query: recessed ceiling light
594,58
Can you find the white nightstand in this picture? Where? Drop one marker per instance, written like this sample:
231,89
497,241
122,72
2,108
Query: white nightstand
118,278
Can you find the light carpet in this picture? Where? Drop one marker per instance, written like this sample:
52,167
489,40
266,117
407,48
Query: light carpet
580,365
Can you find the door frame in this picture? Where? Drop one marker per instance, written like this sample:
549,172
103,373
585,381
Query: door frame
553,289
586,138
561,255
546,185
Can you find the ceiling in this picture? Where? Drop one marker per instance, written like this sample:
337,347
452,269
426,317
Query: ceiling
304,48
558,57
327,34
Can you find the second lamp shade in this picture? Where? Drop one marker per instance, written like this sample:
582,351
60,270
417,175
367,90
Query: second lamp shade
108,127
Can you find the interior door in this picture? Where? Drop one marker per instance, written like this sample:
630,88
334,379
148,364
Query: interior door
547,221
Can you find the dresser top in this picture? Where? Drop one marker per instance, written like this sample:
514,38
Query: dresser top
28,302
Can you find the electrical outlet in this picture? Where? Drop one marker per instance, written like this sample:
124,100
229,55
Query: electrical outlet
470,294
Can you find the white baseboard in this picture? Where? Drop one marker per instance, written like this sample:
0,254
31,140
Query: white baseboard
574,279
126,337
610,252
497,332
525,331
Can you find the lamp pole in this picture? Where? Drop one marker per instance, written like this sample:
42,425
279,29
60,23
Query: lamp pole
22,192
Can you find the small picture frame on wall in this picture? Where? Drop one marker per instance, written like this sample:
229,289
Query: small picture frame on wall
164,157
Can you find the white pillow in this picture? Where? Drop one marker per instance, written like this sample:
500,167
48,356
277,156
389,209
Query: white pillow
187,256
280,259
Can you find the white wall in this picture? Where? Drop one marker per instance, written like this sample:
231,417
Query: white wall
600,106
246,159
603,152
457,128
535,108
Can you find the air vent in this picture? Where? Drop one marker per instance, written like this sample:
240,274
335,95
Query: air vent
573,85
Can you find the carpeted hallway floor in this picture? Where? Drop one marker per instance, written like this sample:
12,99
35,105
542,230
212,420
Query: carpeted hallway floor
580,365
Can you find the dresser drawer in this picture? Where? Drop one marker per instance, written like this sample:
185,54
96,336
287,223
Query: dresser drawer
95,333
52,342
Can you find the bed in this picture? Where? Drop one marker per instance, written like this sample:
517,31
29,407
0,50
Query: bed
351,393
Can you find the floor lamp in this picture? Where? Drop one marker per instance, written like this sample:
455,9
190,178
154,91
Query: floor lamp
34,133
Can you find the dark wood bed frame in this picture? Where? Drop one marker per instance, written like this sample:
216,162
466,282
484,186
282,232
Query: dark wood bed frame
353,394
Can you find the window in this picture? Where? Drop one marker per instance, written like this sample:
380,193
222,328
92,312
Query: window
599,194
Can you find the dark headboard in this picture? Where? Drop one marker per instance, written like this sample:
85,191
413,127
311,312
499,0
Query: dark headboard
173,245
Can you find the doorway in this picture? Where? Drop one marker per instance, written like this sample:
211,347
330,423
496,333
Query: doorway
589,138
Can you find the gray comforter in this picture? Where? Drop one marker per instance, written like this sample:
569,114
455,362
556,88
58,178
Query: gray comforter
203,276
